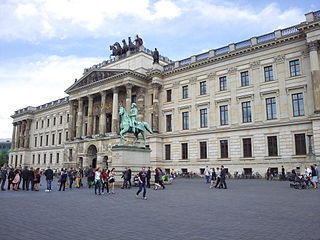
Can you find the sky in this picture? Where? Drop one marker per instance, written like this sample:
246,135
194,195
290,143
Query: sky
46,44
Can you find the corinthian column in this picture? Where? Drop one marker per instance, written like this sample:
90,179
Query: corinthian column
155,108
26,133
79,118
22,129
115,114
315,72
102,118
90,115
72,119
13,140
18,134
128,97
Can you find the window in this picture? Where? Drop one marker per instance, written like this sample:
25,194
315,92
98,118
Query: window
223,83
185,92
47,140
224,149
60,136
294,68
67,136
50,158
54,121
169,93
37,125
39,157
224,115
169,123
244,79
53,138
152,99
44,158
33,159
297,104
67,117
42,124
48,122
40,141
70,155
203,150
20,159
203,118
35,141
203,88
268,73
134,99
271,108
167,151
272,146
247,149
57,158
300,141
185,120
246,112
184,150
60,119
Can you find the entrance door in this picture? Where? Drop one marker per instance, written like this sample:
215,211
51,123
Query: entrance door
92,156
94,163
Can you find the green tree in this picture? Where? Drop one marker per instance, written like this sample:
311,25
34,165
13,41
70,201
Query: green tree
4,156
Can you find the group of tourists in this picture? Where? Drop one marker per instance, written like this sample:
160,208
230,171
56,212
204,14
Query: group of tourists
216,177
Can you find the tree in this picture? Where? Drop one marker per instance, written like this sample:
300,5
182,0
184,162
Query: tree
4,156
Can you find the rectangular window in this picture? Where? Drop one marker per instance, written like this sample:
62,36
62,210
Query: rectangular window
48,122
247,148
35,141
268,73
39,158
169,123
67,136
203,150
57,157
53,139
60,138
297,104
185,120
272,146
152,99
42,122
294,68
68,117
224,149
300,141
44,158
50,158
37,125
60,119
40,141
70,155
244,78
54,121
246,112
134,99
271,108
169,93
223,83
203,118
47,140
224,115
167,151
185,92
184,150
203,88
33,159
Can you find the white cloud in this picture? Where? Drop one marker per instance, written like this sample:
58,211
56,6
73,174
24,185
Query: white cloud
32,82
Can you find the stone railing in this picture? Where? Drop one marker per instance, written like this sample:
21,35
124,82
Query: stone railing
266,37
289,31
243,44
185,62
202,56
222,50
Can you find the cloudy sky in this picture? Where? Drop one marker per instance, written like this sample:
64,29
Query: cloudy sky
46,44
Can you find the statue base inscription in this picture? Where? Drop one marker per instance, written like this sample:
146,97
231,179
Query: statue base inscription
130,156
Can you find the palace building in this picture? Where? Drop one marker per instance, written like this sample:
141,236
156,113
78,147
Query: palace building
248,106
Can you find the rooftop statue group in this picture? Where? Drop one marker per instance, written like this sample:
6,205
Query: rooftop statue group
117,50
129,124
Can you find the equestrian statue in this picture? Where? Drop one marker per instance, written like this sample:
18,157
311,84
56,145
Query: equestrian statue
129,124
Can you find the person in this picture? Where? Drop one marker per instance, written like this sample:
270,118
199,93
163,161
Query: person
105,180
283,173
218,178
213,177
314,177
161,175
63,179
136,180
207,174
25,176
16,180
112,179
3,177
133,116
173,173
223,174
142,183
90,176
49,178
148,177
77,176
71,177
30,178
97,181
36,179
318,172
125,178
10,178
268,174
129,177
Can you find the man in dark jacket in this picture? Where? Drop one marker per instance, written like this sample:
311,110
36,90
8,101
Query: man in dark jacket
129,176
148,177
223,174
10,178
49,177
3,177
25,175
30,178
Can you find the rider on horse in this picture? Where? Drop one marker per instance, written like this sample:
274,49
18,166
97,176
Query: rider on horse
133,116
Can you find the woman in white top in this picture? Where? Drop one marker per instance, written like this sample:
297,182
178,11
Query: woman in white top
112,179
97,181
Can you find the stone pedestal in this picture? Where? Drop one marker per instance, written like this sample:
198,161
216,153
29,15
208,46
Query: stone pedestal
130,156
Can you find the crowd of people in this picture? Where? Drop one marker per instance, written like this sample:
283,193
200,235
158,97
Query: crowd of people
217,177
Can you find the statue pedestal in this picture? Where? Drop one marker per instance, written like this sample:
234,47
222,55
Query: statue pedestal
130,156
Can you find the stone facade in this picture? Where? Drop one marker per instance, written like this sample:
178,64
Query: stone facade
250,105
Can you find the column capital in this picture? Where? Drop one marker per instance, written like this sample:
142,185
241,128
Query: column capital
103,93
313,46
115,90
128,85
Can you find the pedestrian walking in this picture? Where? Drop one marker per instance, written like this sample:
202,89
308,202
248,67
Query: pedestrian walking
142,176
3,177
36,179
71,177
213,177
218,178
63,179
314,177
148,177
77,176
207,174
30,181
97,181
49,178
223,174
105,180
16,180
112,179
10,178
25,176
283,173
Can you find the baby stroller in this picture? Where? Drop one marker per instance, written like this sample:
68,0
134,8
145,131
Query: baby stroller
298,182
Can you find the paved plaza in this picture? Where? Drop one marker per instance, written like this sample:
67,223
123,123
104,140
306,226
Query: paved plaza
187,209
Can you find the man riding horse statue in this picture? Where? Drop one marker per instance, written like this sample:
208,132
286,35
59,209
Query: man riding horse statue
129,124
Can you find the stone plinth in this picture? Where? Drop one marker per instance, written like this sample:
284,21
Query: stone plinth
130,156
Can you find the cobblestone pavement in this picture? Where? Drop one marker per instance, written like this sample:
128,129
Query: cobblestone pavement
187,209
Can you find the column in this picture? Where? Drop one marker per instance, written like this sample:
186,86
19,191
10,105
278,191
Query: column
72,119
79,118
26,133
115,114
140,104
90,116
102,118
22,129
13,140
128,97
155,108
18,135
315,73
